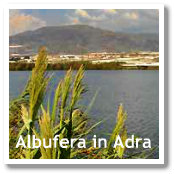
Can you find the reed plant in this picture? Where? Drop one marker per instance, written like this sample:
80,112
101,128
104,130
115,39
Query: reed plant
66,118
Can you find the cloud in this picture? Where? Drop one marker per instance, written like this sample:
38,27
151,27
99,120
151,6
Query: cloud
110,11
71,20
75,21
21,22
132,15
82,13
120,20
117,20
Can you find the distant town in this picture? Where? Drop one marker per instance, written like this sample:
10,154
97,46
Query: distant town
124,59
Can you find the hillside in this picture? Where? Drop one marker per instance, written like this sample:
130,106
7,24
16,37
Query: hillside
79,39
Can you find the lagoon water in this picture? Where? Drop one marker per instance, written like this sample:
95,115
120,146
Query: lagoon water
138,90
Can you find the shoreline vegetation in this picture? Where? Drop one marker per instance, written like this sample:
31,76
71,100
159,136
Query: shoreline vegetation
24,66
67,118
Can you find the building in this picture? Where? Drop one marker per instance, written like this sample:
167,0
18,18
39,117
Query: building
70,57
19,52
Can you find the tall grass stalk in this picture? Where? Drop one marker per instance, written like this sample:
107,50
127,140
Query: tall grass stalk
66,118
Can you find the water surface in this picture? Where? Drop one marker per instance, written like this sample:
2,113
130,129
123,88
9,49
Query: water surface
138,90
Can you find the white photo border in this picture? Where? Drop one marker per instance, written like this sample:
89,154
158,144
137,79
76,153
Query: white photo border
160,7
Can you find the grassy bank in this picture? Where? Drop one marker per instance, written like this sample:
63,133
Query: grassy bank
18,66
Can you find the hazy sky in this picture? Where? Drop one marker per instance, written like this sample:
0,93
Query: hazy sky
117,20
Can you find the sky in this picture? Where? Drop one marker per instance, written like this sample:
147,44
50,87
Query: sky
117,20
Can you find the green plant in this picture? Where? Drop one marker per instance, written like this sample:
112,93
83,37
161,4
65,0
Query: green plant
119,129
66,118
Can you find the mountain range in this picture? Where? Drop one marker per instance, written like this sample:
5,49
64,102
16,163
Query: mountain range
79,39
